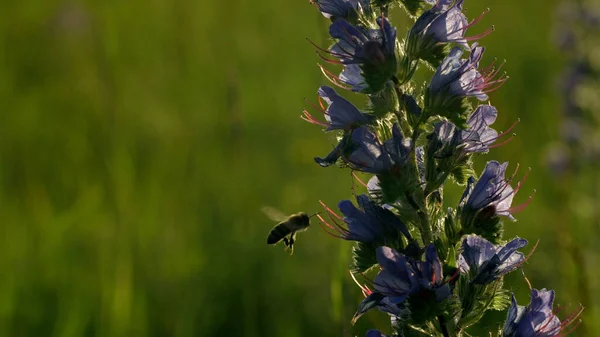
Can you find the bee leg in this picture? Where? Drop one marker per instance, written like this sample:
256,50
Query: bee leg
291,243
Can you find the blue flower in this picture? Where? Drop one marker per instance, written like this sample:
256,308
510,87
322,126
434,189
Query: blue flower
343,9
478,137
375,333
334,155
369,223
400,278
537,319
439,26
492,195
431,275
358,45
340,114
486,262
368,154
369,55
456,79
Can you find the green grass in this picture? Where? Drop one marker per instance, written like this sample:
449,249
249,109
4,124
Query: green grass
140,139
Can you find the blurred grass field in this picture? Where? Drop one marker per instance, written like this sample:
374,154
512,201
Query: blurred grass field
139,139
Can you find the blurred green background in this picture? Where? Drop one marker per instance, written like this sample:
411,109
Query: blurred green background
139,140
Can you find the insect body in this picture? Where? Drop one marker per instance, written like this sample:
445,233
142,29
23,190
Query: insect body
287,227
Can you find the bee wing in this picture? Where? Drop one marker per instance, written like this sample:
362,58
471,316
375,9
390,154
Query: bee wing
274,214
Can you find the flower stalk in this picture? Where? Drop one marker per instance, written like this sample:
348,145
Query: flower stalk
435,272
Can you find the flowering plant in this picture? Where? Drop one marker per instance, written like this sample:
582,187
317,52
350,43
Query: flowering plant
434,271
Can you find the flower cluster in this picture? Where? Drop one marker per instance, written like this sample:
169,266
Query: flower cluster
434,270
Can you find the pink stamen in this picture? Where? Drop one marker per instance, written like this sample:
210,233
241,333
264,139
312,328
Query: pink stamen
354,38
519,208
510,128
309,118
481,35
520,183
359,180
500,144
530,254
365,290
570,320
477,19
332,229
321,103
456,274
329,51
489,68
500,84
496,72
320,109
333,78
328,60
330,211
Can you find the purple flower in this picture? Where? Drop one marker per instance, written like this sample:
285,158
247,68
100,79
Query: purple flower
369,223
401,278
369,55
340,114
458,78
537,319
343,9
486,262
492,195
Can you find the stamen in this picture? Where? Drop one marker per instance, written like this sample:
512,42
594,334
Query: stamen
510,128
503,143
342,233
570,320
495,73
330,211
359,180
527,280
477,19
353,38
328,51
320,99
519,208
520,183
309,118
316,107
500,84
327,228
328,60
456,274
365,290
481,35
530,254
333,78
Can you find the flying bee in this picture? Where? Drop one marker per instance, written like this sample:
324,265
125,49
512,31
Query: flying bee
287,227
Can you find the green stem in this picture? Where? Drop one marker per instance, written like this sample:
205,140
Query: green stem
442,321
425,227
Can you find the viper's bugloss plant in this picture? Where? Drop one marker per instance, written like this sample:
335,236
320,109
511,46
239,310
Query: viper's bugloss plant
435,270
